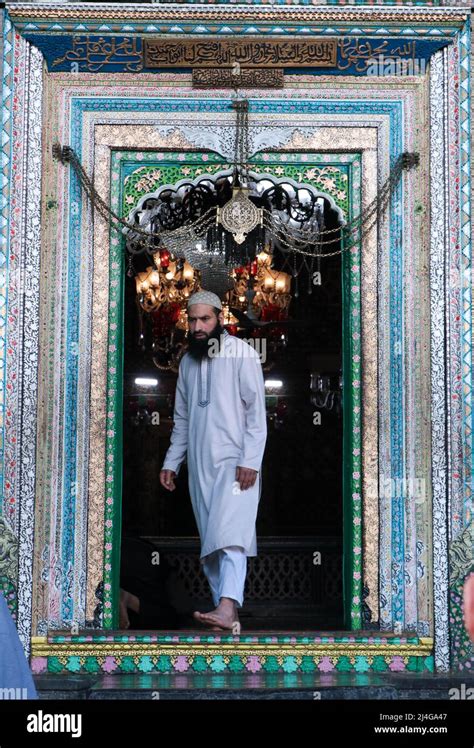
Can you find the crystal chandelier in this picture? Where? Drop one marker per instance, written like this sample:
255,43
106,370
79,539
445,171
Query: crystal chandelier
258,289
168,281
291,225
222,222
222,233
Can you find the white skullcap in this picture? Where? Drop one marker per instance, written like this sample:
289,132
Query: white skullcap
205,297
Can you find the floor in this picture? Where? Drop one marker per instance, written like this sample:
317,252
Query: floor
295,686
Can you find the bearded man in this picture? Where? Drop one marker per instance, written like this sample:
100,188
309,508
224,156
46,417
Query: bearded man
220,424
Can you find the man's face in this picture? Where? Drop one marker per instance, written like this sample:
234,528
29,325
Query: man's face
204,327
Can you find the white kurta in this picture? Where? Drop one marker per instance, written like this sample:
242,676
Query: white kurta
220,422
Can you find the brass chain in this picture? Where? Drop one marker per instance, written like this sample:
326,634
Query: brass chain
363,223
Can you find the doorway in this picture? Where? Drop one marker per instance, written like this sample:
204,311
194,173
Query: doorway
296,581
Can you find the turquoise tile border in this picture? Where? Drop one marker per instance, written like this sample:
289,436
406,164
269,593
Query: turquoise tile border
120,167
392,108
466,291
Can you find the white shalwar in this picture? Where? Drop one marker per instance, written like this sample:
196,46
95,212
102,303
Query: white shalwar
226,570
220,423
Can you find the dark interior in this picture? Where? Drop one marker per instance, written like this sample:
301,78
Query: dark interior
300,511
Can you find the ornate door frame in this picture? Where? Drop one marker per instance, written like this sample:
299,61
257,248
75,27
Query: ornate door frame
46,453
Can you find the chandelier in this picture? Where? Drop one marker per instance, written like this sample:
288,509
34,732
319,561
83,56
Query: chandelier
223,233
172,280
217,253
222,222
288,223
259,298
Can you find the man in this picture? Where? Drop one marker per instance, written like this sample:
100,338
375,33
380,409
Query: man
220,422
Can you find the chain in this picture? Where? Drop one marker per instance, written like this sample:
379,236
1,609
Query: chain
180,237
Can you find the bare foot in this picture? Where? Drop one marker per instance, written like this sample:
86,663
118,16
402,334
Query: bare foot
204,622
222,618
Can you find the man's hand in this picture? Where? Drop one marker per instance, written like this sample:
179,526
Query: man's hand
246,477
167,479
